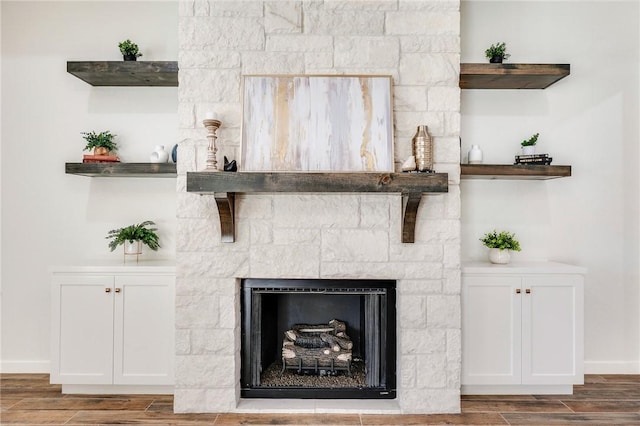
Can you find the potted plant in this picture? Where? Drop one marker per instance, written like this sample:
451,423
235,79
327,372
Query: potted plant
129,50
102,143
496,53
500,245
529,145
133,236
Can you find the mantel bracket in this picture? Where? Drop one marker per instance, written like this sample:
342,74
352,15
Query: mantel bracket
226,202
410,204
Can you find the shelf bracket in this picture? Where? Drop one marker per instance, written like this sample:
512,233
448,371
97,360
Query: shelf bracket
410,204
226,202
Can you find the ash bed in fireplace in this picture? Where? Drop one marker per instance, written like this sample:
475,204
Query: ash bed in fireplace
273,308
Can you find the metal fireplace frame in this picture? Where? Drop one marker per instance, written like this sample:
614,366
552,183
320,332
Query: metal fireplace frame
378,312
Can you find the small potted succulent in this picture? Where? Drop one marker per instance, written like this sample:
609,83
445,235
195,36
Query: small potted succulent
497,53
102,143
133,236
500,245
129,50
529,145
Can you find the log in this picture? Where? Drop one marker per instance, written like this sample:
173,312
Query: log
304,340
311,342
330,340
310,355
340,342
338,326
288,353
308,328
291,335
344,357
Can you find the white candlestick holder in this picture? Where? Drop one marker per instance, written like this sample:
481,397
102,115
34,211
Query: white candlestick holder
212,126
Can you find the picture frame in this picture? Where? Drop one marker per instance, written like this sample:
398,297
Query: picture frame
317,123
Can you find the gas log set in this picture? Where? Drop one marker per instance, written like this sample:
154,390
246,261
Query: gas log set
321,348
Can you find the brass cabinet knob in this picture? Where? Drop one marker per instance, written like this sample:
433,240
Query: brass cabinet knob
528,291
107,290
517,291
118,290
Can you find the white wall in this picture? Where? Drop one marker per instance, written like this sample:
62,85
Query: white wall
50,218
588,120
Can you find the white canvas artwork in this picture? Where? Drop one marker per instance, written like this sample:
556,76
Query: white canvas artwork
317,123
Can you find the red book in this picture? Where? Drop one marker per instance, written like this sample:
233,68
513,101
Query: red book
99,158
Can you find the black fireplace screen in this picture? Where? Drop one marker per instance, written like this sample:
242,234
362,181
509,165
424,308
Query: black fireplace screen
318,338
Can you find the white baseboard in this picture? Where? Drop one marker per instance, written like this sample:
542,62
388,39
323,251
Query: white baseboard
118,389
612,367
24,366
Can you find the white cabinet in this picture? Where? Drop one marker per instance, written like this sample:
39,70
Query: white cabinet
522,328
113,326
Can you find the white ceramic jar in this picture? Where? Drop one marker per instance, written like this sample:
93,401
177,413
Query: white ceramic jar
159,155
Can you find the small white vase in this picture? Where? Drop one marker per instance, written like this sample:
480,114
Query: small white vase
475,155
159,155
499,256
529,150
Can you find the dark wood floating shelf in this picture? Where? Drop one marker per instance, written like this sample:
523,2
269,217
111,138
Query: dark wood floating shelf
126,73
225,185
511,76
156,170
509,171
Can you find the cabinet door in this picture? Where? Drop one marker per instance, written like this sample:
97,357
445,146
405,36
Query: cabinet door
552,330
144,330
82,329
491,337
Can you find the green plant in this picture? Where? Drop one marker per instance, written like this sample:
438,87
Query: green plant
99,140
129,48
497,50
503,240
132,233
531,141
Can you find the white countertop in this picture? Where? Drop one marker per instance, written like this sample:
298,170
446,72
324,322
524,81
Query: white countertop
117,266
521,268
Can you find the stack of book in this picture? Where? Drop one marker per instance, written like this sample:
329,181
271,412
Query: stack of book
538,159
100,159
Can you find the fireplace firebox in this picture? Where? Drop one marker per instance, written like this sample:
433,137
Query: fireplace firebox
351,322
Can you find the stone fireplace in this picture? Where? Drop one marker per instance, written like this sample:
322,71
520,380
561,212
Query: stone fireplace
318,236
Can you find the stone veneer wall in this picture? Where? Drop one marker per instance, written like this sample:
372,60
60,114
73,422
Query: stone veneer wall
319,235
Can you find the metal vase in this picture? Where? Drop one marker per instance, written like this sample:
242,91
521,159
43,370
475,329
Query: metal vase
423,149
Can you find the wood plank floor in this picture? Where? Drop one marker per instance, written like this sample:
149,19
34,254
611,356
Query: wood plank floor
29,399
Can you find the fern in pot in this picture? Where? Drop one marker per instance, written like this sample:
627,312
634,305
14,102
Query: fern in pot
500,246
132,237
101,143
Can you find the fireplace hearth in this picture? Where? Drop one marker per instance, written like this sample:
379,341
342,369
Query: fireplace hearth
346,333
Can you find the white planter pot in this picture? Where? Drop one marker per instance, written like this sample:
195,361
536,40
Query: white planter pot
529,150
132,247
499,256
